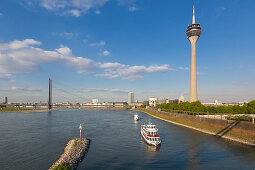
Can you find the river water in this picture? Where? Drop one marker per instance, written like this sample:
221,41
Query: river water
35,140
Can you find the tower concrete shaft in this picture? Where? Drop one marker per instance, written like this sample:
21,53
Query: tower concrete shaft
193,70
193,33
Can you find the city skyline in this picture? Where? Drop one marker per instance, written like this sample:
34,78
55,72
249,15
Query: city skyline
106,49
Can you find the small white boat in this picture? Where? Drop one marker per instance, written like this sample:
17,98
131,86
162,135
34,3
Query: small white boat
150,134
136,117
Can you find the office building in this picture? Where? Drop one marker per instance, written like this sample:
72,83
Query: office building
131,98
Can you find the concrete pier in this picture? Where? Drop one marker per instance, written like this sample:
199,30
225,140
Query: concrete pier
74,152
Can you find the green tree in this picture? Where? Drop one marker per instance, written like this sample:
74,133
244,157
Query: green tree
251,107
197,107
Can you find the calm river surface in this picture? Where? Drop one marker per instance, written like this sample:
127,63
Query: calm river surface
35,140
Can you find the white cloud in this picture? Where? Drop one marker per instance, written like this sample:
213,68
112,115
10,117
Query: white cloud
133,8
15,88
21,44
85,41
106,90
222,8
68,35
64,50
78,7
111,65
183,68
130,3
25,58
21,57
73,7
101,43
75,12
6,77
1,14
54,4
105,53
130,72
108,75
97,12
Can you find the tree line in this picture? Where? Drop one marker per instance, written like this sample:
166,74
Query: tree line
247,108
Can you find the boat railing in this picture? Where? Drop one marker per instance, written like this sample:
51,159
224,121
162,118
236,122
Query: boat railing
149,128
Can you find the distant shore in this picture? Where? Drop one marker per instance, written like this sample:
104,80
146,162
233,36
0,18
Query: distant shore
238,137
88,107
54,108
25,110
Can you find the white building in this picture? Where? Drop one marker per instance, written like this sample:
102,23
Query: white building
95,101
215,103
131,98
181,99
153,101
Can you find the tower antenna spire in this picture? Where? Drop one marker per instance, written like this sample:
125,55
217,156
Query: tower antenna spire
193,19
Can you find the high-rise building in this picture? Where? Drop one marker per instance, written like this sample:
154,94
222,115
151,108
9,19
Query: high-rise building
193,33
131,98
5,100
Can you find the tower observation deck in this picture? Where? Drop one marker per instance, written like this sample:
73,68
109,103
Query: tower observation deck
193,33
193,30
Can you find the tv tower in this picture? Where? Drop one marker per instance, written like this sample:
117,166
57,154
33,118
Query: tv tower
193,33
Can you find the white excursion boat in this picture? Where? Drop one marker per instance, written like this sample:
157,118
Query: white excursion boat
136,117
150,134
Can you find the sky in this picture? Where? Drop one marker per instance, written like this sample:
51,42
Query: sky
105,48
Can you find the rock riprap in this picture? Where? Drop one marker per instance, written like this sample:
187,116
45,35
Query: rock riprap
74,152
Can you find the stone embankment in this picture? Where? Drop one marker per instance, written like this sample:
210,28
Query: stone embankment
74,152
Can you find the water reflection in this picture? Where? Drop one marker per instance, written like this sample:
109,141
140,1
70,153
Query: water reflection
151,148
151,152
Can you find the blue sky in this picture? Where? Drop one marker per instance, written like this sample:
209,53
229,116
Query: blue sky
105,48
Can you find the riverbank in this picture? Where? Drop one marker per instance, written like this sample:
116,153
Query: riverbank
13,109
74,152
88,107
246,137
25,110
